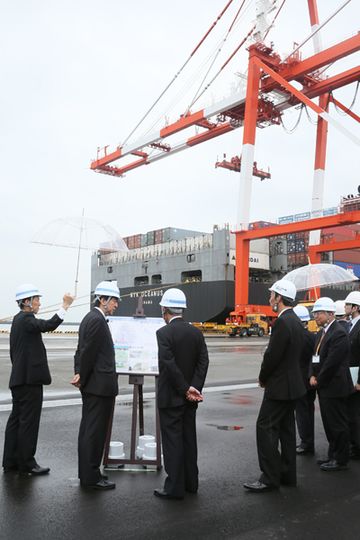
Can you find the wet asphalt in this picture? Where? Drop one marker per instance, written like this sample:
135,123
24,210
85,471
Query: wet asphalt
323,506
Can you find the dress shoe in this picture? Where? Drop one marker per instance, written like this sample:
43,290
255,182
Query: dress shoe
101,485
35,471
303,451
333,465
322,461
258,487
163,495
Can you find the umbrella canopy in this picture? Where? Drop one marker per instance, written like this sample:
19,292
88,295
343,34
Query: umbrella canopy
80,233
319,275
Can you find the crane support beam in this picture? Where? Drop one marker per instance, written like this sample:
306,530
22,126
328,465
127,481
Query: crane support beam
333,83
328,56
335,246
345,218
234,106
243,238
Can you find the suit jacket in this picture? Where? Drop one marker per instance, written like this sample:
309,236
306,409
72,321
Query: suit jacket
306,356
183,362
280,372
27,350
94,359
354,355
332,372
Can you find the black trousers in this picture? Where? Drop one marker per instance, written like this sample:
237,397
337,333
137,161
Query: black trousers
178,433
334,415
22,428
96,414
354,422
305,419
276,424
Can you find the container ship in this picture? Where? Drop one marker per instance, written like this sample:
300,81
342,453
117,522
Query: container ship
202,264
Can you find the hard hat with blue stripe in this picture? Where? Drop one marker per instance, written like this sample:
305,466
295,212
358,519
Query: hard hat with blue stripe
173,298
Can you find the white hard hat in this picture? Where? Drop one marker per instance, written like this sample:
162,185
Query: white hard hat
353,298
302,312
107,288
340,307
26,290
324,304
284,287
173,298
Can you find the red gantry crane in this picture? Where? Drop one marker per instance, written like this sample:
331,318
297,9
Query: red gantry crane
272,88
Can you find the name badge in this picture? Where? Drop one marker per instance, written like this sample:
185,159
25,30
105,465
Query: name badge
316,359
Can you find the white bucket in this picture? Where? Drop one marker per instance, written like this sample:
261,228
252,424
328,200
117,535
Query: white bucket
143,440
116,450
149,451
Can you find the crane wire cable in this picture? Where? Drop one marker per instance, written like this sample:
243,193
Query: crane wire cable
195,98
177,73
197,73
317,29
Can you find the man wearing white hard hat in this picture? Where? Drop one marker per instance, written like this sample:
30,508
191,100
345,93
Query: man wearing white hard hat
305,405
352,309
341,316
330,376
29,372
281,378
183,364
95,375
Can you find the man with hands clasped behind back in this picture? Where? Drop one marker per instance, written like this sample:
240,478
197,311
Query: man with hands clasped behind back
183,364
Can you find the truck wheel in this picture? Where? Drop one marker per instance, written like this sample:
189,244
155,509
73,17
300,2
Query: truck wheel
261,332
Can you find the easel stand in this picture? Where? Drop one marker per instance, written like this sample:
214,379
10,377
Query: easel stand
138,408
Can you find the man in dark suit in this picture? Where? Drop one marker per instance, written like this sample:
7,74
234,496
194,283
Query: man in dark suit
30,371
95,375
304,411
183,364
281,378
330,375
352,309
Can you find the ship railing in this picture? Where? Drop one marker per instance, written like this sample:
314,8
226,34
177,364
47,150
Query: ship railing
173,247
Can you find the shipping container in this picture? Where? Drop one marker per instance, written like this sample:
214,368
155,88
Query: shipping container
348,266
143,240
137,241
348,255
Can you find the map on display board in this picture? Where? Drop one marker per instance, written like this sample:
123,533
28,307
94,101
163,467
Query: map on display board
136,350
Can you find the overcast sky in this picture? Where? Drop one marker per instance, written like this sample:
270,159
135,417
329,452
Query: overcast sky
80,74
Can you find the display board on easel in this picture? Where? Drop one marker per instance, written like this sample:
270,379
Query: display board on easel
136,355
135,344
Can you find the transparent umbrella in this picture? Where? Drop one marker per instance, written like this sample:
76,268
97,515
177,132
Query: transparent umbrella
80,233
319,275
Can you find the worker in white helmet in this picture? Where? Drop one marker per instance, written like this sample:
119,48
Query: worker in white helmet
330,376
29,372
95,375
352,309
183,364
304,410
281,378
341,316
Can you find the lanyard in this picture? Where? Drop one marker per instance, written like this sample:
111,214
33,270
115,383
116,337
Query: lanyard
320,342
